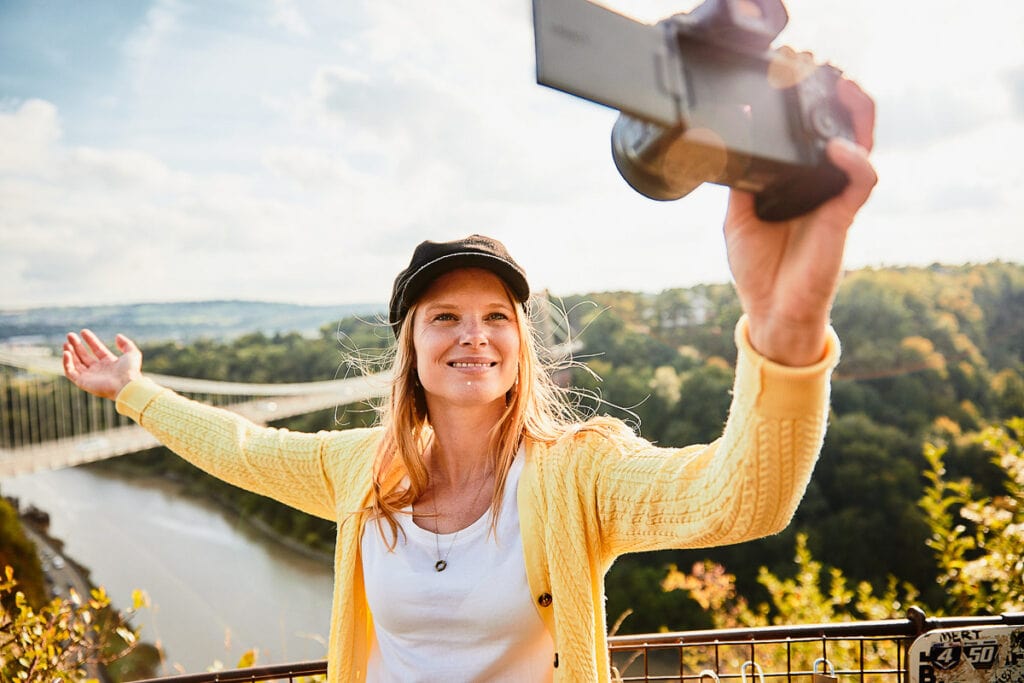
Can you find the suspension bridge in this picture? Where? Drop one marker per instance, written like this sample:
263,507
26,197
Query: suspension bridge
48,423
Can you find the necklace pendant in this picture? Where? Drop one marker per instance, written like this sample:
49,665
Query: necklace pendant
441,565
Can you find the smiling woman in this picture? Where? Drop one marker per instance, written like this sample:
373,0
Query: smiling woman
477,520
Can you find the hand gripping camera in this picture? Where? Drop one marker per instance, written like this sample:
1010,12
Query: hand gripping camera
703,98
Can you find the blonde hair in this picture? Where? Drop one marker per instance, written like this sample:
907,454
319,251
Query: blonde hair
536,410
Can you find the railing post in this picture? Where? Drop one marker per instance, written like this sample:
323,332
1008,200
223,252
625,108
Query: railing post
918,619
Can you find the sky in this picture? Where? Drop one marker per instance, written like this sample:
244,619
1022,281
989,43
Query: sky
297,151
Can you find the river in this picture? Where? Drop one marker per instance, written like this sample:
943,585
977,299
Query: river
217,587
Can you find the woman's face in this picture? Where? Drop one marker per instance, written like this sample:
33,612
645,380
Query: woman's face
466,339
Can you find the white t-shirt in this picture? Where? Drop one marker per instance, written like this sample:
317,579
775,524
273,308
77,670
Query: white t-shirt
474,621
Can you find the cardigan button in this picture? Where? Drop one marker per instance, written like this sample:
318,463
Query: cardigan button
544,600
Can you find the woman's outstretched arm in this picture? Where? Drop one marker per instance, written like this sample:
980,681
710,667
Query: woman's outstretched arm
287,466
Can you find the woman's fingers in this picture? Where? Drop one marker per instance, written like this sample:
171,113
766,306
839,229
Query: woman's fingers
99,349
71,369
862,111
853,160
852,156
83,356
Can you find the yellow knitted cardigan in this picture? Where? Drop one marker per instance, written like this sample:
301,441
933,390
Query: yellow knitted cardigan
583,500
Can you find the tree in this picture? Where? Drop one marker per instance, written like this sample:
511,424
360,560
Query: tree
19,552
865,486
978,542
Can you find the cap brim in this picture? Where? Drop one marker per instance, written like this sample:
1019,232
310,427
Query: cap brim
418,282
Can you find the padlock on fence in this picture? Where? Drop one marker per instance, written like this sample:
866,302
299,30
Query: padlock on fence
755,668
827,673
708,674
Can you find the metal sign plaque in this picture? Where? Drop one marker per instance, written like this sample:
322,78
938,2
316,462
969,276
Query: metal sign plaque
993,654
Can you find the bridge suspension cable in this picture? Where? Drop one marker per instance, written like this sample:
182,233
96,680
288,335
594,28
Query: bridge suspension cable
47,423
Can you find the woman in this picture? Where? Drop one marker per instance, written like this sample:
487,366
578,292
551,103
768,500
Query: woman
477,521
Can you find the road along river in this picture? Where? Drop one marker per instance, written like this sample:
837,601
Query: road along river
217,587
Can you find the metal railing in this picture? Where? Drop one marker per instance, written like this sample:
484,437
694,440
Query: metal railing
863,651
293,673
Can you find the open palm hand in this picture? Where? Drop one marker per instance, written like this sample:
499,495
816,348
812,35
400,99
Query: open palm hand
91,366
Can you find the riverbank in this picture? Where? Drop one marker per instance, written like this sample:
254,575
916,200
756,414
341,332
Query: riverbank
65,576
218,585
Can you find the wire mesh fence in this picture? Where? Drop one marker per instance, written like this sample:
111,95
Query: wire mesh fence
847,652
762,657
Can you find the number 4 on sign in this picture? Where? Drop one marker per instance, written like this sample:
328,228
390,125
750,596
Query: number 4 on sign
945,656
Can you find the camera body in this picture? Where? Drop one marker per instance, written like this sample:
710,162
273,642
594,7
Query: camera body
703,98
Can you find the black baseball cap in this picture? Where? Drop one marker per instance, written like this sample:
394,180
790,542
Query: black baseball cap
433,259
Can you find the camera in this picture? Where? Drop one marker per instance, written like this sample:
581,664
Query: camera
703,97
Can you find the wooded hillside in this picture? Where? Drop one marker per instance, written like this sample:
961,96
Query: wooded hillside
929,355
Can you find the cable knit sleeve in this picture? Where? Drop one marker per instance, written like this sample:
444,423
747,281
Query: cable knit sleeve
300,470
745,485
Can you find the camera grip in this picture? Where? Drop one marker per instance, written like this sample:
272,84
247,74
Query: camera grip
801,190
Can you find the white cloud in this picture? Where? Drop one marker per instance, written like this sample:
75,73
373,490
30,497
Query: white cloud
287,16
81,223
377,106
162,20
313,169
29,135
916,116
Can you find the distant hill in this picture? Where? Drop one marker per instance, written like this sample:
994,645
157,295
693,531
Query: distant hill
183,321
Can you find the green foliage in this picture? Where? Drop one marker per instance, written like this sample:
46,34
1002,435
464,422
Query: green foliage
977,545
64,640
650,611
699,414
978,541
925,352
928,353
941,503
810,598
19,553
814,595
254,358
1008,386
865,486
944,330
